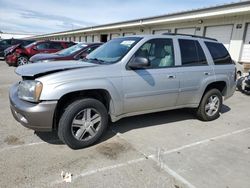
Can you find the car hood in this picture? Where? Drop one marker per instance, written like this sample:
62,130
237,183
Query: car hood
40,69
43,56
11,49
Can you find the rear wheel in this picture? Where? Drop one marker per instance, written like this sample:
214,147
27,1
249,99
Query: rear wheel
83,123
210,105
22,60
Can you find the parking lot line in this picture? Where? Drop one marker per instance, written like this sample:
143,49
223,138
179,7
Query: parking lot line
102,169
23,145
171,172
203,141
157,159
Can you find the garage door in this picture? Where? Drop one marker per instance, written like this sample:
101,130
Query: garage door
89,38
161,31
222,33
95,38
188,31
114,35
245,55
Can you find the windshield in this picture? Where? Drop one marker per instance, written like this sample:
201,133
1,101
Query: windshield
114,50
72,49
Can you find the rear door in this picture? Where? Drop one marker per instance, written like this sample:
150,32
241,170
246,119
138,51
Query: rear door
55,47
157,86
193,72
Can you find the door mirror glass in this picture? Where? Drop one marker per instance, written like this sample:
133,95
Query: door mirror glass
139,63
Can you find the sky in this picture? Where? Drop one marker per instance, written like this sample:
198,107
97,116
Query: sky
47,16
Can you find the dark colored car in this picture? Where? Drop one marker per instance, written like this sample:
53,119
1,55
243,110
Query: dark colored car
78,51
6,43
20,55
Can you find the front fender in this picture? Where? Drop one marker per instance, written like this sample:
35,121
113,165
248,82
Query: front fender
56,91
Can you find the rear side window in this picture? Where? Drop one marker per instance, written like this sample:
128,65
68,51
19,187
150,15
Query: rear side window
55,45
219,53
191,53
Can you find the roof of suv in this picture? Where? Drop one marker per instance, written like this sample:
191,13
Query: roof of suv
174,35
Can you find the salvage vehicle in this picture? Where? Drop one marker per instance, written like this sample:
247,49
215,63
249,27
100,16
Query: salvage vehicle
124,77
243,84
8,43
20,55
78,51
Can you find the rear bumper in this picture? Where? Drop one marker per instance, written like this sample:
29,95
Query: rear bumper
11,59
38,116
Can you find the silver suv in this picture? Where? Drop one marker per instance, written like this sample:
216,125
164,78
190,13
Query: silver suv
124,77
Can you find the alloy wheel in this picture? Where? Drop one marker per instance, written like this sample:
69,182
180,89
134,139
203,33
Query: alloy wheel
86,124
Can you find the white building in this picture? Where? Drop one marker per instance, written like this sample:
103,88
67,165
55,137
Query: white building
228,23
8,35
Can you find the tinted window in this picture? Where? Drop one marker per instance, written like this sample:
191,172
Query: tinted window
5,42
14,41
219,53
160,52
42,46
191,53
55,45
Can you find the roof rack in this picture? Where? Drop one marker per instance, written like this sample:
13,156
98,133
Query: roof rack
195,36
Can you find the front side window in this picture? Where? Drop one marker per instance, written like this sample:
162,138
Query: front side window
159,52
113,50
219,53
191,53
42,46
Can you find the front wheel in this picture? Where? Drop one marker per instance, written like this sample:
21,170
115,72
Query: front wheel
22,60
210,105
82,123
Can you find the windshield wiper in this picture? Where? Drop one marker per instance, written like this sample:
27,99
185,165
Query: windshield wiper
96,59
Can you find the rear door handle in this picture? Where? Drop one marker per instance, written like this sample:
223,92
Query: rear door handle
171,76
207,73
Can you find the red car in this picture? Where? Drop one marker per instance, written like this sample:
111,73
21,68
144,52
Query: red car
78,51
20,55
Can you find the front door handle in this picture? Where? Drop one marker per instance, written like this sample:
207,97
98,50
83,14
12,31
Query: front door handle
207,73
171,76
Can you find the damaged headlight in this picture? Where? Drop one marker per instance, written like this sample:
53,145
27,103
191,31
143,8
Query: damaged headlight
30,90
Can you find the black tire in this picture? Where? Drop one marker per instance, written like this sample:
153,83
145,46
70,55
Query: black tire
201,112
22,60
65,128
239,84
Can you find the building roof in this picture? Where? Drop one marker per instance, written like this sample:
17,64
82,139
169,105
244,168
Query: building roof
225,9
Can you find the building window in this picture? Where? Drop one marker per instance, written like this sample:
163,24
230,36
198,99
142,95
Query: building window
86,37
80,39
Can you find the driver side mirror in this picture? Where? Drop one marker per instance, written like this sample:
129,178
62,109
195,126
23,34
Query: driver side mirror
139,63
83,55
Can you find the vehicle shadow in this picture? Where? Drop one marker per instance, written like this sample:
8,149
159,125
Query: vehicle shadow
135,122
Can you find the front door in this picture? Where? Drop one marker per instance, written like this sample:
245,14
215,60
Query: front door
155,87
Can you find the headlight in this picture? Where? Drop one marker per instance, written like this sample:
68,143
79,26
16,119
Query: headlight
45,61
30,90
